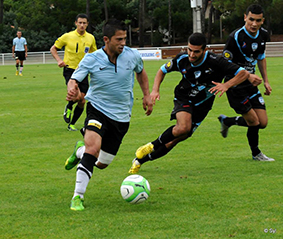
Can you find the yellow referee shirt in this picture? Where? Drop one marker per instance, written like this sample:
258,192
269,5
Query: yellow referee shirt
76,46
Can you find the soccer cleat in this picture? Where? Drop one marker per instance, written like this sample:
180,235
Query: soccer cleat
77,204
263,157
135,167
224,128
72,127
67,115
144,150
20,74
17,73
73,160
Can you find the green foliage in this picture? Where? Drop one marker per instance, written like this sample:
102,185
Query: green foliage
48,19
206,187
98,34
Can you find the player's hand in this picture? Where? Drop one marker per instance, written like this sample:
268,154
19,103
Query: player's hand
268,88
154,95
219,87
13,55
61,64
255,80
147,105
73,92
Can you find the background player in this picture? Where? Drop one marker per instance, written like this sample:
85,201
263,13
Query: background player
76,43
246,47
202,71
20,52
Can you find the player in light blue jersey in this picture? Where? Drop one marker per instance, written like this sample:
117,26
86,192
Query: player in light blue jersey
110,100
19,52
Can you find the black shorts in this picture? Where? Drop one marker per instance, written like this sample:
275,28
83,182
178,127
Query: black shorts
244,99
198,112
83,86
20,55
111,131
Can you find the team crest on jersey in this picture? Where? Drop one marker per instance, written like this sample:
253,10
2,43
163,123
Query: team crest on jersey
129,66
86,49
184,71
244,45
254,46
228,55
168,65
261,100
94,123
197,74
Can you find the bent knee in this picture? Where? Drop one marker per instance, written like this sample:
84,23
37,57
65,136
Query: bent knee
262,125
181,131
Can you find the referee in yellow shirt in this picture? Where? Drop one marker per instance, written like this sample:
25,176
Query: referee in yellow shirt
77,43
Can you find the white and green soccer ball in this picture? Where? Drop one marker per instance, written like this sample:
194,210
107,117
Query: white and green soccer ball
135,189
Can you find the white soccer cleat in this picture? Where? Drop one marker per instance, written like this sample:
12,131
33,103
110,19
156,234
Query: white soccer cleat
263,157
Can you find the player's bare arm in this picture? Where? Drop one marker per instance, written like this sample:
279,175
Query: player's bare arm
73,93
262,68
255,80
223,87
13,51
54,53
142,78
156,85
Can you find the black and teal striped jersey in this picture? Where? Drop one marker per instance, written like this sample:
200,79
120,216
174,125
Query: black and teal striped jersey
244,49
197,80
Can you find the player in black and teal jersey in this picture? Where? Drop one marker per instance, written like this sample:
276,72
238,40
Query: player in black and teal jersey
246,47
202,73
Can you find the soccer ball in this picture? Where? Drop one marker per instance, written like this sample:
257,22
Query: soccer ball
135,189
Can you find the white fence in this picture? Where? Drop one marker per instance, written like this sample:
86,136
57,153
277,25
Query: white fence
273,49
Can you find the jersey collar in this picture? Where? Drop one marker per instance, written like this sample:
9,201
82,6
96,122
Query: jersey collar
253,37
79,35
205,56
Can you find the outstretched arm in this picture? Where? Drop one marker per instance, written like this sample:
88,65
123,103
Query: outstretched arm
223,87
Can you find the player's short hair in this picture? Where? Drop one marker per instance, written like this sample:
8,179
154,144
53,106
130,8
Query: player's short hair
113,25
81,15
255,9
197,39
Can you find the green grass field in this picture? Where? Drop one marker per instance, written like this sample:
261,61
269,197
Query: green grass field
207,187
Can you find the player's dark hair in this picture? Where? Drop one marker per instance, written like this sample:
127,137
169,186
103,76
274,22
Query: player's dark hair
113,25
197,39
255,9
81,15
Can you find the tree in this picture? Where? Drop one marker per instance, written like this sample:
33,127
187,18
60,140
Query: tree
141,22
1,11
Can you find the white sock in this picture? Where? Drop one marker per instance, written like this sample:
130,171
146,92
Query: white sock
82,180
80,152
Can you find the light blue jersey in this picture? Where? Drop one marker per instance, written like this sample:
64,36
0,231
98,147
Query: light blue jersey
19,43
111,86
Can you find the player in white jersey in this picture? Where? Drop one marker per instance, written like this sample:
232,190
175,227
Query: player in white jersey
110,100
19,52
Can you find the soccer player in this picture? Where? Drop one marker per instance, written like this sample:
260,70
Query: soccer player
76,43
202,72
246,47
110,101
20,52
